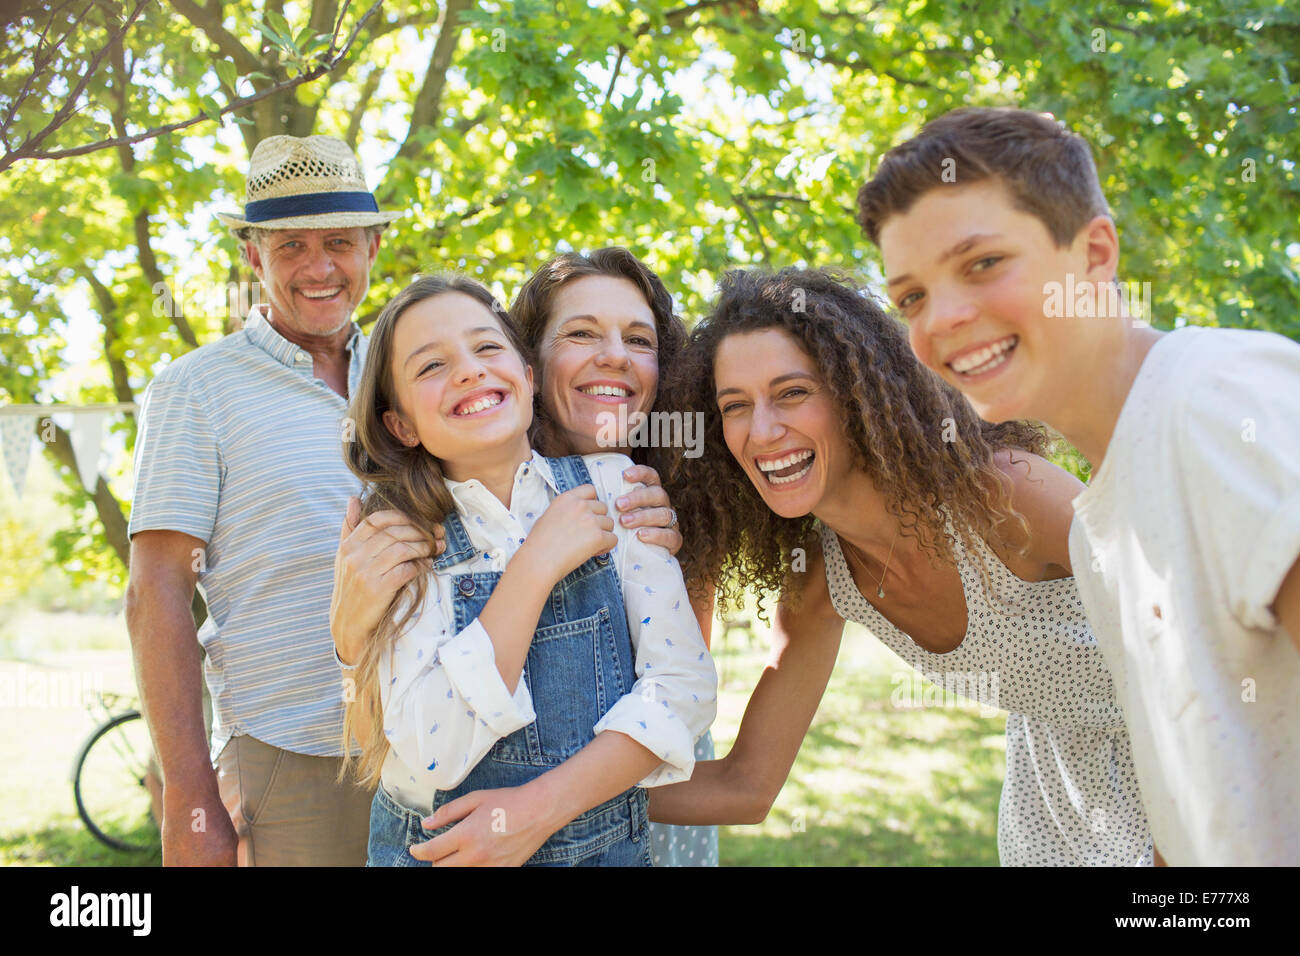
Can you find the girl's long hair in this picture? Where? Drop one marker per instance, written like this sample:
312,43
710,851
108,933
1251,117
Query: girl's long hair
915,436
401,478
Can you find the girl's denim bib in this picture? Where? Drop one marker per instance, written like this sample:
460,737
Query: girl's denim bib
579,665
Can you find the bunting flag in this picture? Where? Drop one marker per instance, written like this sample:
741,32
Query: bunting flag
16,434
87,428
84,424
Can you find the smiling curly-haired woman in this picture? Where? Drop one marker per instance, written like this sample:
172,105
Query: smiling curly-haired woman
911,434
841,471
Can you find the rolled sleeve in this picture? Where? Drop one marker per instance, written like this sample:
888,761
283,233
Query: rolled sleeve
178,464
1239,453
448,714
471,665
675,697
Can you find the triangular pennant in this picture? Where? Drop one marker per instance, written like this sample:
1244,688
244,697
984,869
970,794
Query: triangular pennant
87,428
16,434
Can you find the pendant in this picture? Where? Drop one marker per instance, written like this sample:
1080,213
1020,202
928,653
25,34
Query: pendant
880,593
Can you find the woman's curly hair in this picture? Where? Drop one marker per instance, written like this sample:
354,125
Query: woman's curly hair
915,436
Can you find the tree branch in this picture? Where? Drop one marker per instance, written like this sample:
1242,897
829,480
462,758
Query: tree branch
743,206
858,66
107,506
467,123
319,70
209,21
440,229
109,319
678,16
777,197
389,26
425,111
327,18
322,21
29,147
39,61
236,307
368,89
121,84
613,76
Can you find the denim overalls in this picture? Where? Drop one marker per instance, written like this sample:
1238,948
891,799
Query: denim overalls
579,665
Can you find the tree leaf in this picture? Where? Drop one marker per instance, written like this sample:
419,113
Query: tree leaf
278,40
227,72
280,25
210,108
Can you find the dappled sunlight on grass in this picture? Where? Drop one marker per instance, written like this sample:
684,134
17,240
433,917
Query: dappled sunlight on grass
65,841
874,784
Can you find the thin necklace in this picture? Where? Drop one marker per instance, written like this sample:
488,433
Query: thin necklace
880,585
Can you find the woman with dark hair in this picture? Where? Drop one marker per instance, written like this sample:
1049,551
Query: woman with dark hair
568,314
863,488
599,327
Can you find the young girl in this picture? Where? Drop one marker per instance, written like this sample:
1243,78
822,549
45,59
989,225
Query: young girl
550,664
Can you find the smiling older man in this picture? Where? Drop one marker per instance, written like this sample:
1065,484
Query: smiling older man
241,489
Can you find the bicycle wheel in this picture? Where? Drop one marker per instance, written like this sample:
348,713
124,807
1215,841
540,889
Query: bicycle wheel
109,784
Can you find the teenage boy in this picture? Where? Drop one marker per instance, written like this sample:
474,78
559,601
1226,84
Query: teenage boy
1001,254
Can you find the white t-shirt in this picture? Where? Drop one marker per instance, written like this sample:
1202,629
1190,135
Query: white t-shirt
1179,546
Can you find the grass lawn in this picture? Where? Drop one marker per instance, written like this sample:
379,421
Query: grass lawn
874,784
47,661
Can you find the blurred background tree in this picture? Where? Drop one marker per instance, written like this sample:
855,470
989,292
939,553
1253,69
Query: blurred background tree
701,135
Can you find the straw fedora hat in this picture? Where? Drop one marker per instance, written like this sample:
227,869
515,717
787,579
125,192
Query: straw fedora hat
311,182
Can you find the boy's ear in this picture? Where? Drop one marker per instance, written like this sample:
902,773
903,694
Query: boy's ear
1100,246
399,429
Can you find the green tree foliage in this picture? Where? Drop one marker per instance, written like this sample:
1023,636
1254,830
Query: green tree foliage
702,135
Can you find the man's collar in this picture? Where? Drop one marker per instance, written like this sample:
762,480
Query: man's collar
262,333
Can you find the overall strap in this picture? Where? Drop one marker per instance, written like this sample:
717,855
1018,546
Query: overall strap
569,472
459,547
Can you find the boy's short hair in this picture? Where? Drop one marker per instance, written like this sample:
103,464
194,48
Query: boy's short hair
1047,169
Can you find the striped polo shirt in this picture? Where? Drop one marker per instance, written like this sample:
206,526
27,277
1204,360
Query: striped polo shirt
240,446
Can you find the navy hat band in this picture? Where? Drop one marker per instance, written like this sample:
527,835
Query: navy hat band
309,204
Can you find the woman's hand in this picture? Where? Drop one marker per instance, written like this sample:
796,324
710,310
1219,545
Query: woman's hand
377,556
497,828
575,526
649,509
741,787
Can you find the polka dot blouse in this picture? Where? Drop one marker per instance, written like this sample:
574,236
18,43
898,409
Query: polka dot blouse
1070,797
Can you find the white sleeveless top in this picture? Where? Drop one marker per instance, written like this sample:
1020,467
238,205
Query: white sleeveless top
1071,796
